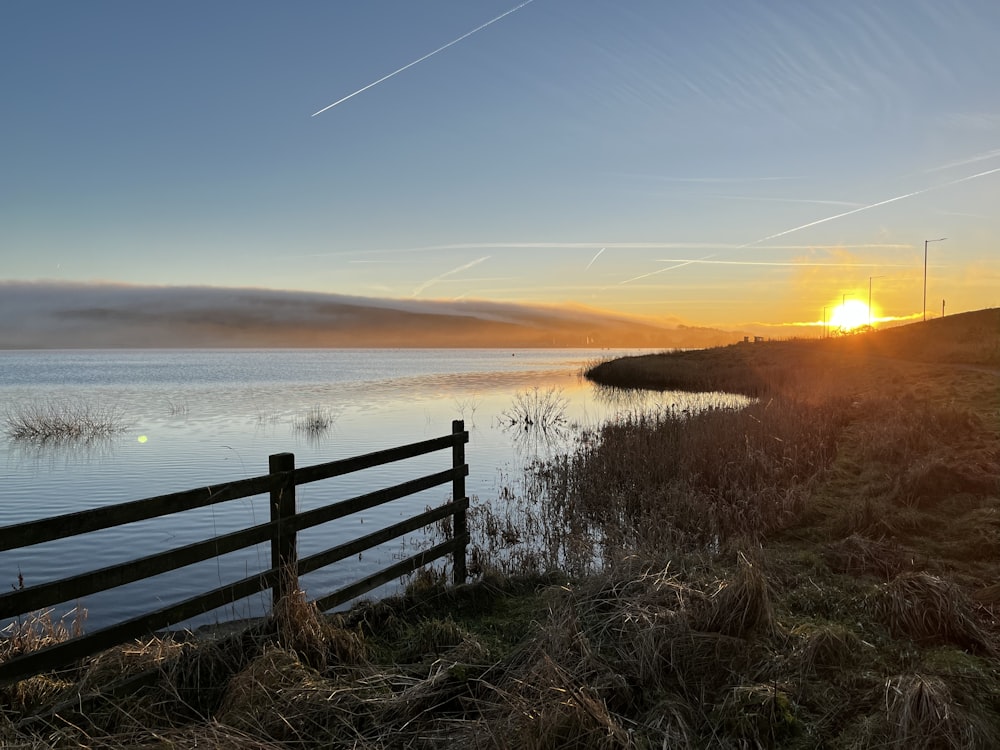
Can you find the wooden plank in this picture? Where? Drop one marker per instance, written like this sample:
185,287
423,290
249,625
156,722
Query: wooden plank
343,466
344,508
388,574
70,524
34,532
282,466
459,524
18,602
62,654
81,522
349,549
28,599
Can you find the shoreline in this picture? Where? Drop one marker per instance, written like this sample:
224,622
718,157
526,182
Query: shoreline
816,569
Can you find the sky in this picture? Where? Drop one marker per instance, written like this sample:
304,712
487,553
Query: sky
726,164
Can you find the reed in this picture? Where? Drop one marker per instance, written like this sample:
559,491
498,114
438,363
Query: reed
543,409
316,421
63,421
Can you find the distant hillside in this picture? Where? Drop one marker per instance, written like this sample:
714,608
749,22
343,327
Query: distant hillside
49,315
971,338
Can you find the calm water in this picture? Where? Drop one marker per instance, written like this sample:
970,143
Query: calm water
202,417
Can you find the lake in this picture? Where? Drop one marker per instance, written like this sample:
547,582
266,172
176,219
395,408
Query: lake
199,417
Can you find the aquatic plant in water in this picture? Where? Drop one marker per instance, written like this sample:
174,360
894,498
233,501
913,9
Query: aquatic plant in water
317,420
44,421
537,408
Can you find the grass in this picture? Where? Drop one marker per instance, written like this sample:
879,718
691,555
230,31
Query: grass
63,421
541,409
316,421
818,569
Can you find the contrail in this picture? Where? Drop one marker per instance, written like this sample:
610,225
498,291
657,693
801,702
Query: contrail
787,200
686,261
971,160
820,221
446,274
595,258
712,180
593,245
681,264
466,35
876,205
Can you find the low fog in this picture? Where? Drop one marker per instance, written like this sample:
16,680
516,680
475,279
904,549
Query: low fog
102,315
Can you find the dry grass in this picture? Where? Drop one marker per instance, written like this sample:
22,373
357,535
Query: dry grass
742,606
932,610
922,714
552,708
38,630
857,555
968,338
643,656
279,698
63,421
825,648
659,481
30,633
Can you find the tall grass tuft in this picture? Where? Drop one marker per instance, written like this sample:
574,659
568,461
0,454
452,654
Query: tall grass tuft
932,610
922,714
743,604
29,633
54,421
316,421
537,408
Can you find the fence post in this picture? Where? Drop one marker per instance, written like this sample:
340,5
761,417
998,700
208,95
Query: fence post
459,523
283,553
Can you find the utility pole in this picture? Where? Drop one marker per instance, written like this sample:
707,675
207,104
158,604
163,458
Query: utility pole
939,239
942,308
824,321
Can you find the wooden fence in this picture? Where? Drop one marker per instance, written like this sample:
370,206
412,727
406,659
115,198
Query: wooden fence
281,530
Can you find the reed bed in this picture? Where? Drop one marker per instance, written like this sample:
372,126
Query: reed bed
63,421
654,481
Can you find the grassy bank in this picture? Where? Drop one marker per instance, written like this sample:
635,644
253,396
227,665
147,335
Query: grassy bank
819,569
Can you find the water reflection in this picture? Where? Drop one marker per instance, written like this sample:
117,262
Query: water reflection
538,441
52,453
527,525
681,403
201,429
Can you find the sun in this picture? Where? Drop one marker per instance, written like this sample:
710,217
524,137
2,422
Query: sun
850,316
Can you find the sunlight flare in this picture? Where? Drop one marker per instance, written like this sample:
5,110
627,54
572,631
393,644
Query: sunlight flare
850,316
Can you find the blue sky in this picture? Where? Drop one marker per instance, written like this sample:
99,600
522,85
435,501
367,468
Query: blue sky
571,152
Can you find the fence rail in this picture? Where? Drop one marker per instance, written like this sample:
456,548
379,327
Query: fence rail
281,530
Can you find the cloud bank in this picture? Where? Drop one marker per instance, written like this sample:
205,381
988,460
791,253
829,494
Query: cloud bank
54,315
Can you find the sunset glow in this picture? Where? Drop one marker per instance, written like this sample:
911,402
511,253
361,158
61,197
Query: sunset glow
850,315
692,166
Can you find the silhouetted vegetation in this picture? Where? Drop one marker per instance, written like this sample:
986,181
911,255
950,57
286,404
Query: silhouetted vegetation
63,421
